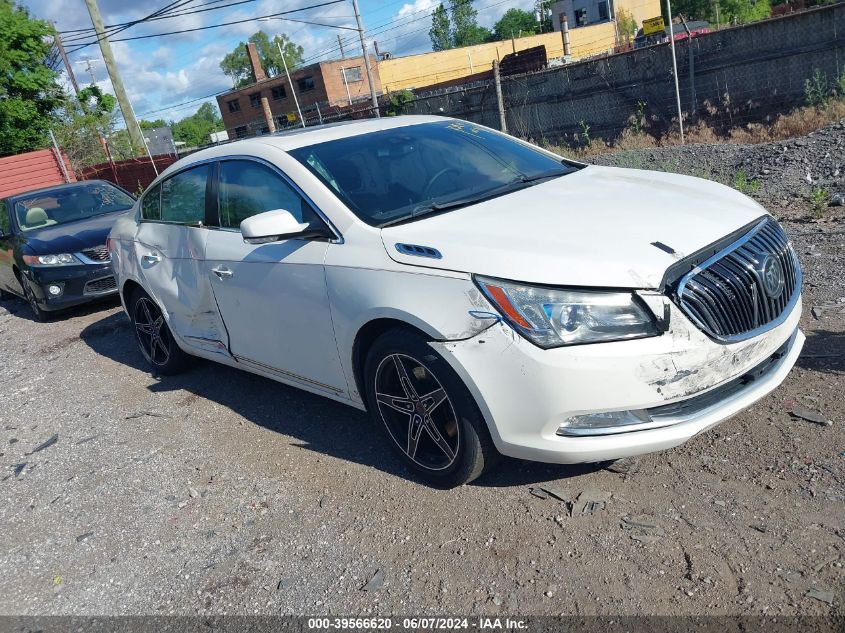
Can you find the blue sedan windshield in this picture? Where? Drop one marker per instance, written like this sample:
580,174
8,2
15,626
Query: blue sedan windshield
396,175
48,207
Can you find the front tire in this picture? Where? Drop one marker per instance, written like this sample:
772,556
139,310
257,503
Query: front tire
153,335
427,414
40,315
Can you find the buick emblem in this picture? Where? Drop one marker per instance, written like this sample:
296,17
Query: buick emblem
771,273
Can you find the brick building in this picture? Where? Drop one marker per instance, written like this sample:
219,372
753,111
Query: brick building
319,87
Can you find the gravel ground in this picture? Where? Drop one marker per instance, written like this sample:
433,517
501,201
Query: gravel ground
222,492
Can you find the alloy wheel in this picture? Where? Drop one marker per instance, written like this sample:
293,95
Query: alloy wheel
417,412
153,335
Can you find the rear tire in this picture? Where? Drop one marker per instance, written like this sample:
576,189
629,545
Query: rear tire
154,337
426,412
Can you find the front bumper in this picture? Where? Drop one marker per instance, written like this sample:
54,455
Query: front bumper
80,284
526,393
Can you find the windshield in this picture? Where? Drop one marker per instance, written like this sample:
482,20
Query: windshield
396,175
69,204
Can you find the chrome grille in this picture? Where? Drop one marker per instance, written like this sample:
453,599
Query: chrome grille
97,253
101,285
726,296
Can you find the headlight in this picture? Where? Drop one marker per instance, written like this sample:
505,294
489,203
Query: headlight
62,259
551,317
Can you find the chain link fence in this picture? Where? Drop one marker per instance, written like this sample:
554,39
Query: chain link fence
728,80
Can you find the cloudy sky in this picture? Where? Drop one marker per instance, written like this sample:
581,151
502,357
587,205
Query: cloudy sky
162,73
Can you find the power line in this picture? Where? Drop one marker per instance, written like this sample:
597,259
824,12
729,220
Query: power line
211,26
108,33
169,15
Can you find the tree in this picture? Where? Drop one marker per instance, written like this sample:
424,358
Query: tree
440,33
465,28
515,23
151,125
744,11
29,94
236,64
80,124
194,130
627,23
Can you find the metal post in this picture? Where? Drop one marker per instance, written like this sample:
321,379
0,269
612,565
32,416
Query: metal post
346,84
292,89
693,98
268,115
366,58
117,83
564,31
500,102
471,69
675,69
59,157
319,114
340,43
144,139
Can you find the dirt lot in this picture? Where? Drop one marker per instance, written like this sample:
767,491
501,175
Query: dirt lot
221,492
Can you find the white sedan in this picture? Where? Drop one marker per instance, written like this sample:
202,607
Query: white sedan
476,294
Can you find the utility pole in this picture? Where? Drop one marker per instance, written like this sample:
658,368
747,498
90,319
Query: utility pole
87,61
340,43
366,57
58,40
132,127
500,102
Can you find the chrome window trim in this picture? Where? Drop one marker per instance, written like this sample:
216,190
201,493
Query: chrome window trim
779,320
338,239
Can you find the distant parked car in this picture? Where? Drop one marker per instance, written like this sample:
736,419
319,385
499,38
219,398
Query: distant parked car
476,293
696,28
53,244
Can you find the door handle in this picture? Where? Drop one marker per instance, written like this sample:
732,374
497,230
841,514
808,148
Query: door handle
222,272
151,259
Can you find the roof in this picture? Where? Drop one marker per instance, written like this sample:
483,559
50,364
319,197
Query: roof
302,137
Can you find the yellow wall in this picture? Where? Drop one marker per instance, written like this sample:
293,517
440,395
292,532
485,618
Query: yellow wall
640,9
430,68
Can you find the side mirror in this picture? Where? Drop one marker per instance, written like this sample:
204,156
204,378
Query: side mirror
273,226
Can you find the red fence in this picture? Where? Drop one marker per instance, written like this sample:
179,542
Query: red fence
134,174
32,170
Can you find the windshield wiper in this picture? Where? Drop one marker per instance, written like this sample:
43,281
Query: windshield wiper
554,173
517,183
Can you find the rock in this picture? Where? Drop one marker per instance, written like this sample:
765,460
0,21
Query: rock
820,595
376,582
497,601
643,528
192,493
589,502
44,445
84,537
838,200
811,416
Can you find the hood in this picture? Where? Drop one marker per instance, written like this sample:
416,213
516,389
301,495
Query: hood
594,227
71,237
